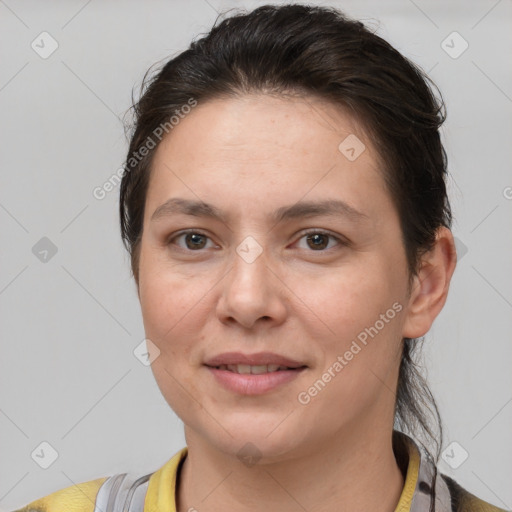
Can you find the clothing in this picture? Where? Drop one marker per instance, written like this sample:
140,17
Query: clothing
155,492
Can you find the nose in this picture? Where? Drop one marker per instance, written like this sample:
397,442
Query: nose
252,291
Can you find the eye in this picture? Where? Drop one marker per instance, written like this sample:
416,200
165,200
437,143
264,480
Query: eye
319,240
193,240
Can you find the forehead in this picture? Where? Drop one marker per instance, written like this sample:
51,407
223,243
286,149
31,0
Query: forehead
264,148
264,124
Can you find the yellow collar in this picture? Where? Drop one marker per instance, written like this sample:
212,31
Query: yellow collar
411,477
161,493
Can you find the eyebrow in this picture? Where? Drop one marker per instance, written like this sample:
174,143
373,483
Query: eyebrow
302,209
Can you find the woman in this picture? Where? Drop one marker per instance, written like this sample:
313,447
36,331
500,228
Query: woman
285,210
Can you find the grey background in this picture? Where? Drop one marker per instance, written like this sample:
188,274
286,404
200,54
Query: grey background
68,375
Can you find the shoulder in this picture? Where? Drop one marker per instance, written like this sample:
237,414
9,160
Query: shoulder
75,498
125,491
463,501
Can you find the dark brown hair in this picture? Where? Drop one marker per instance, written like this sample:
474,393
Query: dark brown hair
315,52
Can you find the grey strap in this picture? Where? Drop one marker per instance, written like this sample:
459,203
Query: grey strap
423,492
122,493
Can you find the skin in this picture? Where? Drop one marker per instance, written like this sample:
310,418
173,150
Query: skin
249,156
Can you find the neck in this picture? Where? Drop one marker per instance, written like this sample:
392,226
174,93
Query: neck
350,472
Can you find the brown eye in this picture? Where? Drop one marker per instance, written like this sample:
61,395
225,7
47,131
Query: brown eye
318,241
194,240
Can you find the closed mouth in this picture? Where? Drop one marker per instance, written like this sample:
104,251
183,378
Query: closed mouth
255,369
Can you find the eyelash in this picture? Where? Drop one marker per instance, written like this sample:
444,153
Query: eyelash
305,233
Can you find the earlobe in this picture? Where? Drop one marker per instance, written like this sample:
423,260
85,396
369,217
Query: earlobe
430,286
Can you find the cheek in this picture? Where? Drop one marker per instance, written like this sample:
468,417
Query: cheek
165,294
167,303
359,349
358,319
348,299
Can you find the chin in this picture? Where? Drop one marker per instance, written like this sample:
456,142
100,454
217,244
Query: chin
256,441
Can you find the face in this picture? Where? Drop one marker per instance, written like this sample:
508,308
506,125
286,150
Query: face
327,289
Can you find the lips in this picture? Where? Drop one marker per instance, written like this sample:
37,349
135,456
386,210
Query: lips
254,384
253,374
238,359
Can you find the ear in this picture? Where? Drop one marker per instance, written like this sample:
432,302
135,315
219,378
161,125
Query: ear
430,286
